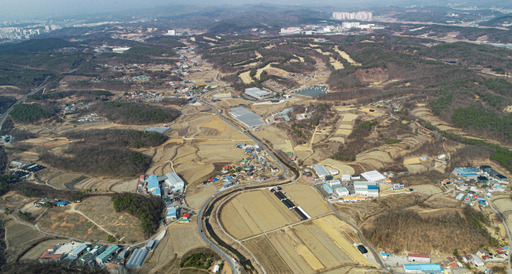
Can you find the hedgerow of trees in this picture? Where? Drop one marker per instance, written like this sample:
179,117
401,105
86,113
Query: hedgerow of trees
118,137
100,160
28,113
137,113
398,230
148,210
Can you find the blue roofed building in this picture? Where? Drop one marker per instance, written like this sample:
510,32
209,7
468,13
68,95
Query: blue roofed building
153,182
423,268
172,213
77,252
62,203
328,189
157,192
467,173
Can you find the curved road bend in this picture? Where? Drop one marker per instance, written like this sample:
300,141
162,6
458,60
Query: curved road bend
46,82
504,221
4,115
236,267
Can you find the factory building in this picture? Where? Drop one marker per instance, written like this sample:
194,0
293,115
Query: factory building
418,258
172,213
51,254
257,93
423,268
103,257
247,117
366,189
174,181
153,183
467,173
328,189
77,251
341,191
321,171
334,183
373,176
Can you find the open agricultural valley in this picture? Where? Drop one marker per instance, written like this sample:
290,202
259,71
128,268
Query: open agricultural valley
354,147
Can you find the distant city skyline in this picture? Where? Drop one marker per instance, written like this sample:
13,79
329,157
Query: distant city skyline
38,9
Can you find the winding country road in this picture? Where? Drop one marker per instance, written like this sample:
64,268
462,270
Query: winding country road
235,265
4,115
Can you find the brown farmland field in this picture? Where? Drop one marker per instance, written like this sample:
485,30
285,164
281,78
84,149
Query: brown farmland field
255,212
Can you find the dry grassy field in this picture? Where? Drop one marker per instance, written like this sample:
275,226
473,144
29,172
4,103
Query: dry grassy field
504,204
340,166
317,245
57,220
347,57
59,179
18,237
246,77
255,212
179,239
336,64
101,210
307,198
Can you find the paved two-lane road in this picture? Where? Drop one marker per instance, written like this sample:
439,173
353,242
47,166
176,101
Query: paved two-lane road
4,115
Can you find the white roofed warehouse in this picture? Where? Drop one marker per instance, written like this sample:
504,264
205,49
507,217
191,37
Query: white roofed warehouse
174,181
257,93
247,117
373,176
321,171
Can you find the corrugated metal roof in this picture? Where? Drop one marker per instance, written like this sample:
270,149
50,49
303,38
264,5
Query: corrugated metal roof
78,250
373,175
257,93
175,179
247,117
427,268
321,170
160,130
137,258
153,182
327,188
107,253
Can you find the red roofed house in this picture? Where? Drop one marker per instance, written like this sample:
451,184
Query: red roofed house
418,258
49,255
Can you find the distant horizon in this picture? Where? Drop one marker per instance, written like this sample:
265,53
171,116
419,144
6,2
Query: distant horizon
61,9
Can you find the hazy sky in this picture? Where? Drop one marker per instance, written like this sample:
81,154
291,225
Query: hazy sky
22,9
